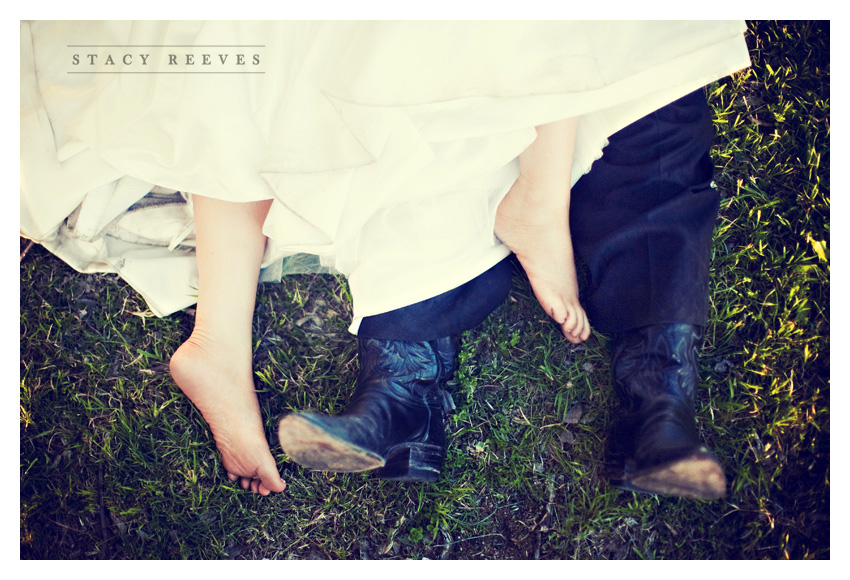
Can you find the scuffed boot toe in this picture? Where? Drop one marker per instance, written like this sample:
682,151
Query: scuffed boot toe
697,476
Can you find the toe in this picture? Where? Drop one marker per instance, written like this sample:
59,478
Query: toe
270,478
576,329
586,332
570,324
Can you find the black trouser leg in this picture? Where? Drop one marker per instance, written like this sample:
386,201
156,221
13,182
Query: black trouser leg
643,218
448,314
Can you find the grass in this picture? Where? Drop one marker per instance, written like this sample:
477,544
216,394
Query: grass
116,464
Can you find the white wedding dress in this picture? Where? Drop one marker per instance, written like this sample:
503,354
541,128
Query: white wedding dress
386,146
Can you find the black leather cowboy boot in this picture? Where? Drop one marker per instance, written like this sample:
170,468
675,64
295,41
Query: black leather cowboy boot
654,443
394,423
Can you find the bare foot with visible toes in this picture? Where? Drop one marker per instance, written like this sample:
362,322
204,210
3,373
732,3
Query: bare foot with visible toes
536,229
223,390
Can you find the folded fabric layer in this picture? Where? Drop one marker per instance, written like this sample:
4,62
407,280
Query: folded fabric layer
386,146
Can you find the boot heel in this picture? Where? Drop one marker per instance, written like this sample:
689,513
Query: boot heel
412,462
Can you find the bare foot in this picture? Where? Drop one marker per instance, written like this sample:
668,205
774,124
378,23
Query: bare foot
536,229
223,391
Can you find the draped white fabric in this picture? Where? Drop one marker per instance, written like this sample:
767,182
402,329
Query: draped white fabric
386,146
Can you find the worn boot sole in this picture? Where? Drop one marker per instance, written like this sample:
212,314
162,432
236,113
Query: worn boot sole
698,476
309,445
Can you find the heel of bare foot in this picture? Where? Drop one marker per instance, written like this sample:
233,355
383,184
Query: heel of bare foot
223,391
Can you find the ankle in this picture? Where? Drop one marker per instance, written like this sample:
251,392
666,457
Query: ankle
221,343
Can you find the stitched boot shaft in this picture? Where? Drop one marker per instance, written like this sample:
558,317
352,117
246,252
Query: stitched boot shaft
655,374
654,443
395,420
399,395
